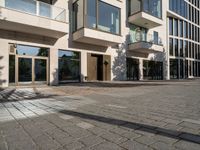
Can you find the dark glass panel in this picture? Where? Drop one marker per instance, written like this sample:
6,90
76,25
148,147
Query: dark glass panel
40,70
11,68
25,69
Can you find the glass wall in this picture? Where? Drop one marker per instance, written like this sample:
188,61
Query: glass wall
152,70
137,34
98,15
69,66
152,7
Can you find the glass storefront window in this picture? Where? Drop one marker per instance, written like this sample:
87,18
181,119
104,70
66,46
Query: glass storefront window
69,66
153,70
32,51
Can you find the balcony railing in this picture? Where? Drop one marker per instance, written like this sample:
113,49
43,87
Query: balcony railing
35,8
143,37
152,7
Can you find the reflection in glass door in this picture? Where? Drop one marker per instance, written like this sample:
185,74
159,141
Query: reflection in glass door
40,70
25,69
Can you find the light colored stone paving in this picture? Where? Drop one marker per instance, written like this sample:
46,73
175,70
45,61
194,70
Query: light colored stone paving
108,116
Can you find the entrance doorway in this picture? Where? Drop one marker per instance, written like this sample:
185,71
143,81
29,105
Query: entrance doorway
28,65
32,70
98,67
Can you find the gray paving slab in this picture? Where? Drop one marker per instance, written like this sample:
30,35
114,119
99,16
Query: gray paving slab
139,118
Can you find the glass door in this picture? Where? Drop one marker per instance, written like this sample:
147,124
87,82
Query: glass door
32,70
24,70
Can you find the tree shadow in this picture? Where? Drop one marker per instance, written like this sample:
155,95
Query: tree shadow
119,64
185,136
13,95
1,68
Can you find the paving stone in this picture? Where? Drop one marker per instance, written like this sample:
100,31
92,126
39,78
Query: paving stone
161,146
131,135
74,146
113,137
190,125
184,145
147,140
106,146
45,142
85,125
133,145
91,140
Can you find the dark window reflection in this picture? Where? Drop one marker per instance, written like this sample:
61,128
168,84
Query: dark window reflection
11,68
153,70
40,70
69,66
174,69
25,69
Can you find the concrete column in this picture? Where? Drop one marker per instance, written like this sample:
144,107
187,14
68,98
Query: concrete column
83,66
141,75
53,67
4,63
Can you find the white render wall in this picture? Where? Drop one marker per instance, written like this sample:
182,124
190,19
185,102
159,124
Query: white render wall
118,53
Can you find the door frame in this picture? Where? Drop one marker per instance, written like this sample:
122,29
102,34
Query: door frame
33,69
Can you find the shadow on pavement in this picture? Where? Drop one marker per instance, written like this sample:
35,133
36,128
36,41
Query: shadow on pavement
12,95
113,84
142,127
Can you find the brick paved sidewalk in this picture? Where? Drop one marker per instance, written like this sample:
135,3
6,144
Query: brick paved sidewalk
165,116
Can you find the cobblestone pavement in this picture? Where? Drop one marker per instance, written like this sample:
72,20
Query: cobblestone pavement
102,116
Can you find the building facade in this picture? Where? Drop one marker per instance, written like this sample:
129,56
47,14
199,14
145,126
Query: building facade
58,41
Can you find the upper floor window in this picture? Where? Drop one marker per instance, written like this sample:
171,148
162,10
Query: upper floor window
152,7
98,15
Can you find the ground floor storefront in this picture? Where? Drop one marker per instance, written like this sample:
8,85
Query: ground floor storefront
139,69
184,68
32,65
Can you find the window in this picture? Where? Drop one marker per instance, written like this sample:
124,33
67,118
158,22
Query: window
176,47
98,15
77,15
185,29
181,48
175,27
155,37
108,19
174,69
91,14
69,66
171,52
186,48
181,28
32,51
170,26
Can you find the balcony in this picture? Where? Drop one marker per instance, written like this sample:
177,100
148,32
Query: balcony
145,43
145,13
98,23
33,17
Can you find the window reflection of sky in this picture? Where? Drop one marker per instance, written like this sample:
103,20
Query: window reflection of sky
70,54
30,50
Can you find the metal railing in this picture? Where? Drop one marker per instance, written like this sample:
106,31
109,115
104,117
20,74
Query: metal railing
143,37
35,7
